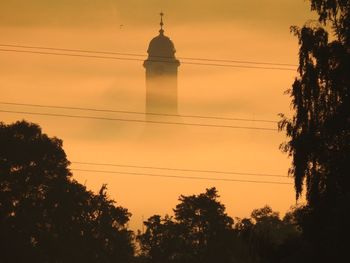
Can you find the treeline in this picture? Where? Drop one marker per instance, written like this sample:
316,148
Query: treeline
47,216
200,231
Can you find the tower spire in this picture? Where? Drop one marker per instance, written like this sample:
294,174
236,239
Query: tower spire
161,31
161,74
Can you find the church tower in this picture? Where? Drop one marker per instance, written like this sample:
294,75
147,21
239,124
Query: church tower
161,74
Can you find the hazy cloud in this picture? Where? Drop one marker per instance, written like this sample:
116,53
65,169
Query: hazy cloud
140,12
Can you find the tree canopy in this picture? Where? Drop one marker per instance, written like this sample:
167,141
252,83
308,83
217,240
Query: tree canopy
319,131
200,231
45,215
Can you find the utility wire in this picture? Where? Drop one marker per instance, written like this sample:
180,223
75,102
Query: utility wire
182,177
179,169
137,121
70,55
140,55
135,112
151,60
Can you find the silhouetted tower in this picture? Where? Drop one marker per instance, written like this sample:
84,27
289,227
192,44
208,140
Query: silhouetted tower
161,74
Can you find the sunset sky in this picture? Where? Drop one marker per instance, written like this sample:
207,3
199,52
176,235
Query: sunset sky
252,30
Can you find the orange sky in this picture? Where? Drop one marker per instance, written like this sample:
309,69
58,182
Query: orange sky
255,30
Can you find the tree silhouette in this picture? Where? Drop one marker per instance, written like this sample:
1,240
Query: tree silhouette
266,235
319,131
46,216
200,231
208,228
162,241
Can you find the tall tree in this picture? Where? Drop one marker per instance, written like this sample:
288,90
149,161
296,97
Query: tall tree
200,232
46,216
209,229
319,131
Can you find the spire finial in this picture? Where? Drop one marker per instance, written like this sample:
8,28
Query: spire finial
161,31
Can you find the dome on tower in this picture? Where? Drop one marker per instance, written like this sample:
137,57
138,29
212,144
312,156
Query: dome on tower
161,47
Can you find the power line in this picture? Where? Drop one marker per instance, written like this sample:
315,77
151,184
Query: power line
143,55
135,112
137,121
76,50
136,59
70,55
180,169
182,177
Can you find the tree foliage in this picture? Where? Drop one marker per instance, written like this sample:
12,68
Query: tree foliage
207,226
265,235
319,131
46,216
162,240
200,231
320,128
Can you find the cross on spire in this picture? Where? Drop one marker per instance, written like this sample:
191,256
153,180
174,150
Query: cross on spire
161,31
